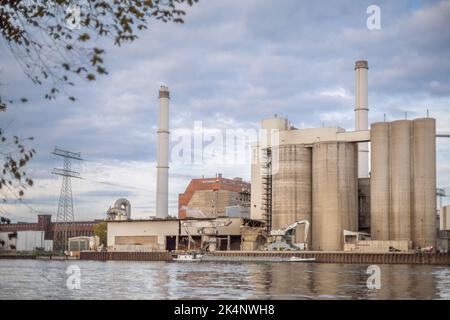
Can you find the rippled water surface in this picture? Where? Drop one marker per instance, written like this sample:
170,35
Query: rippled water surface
34,279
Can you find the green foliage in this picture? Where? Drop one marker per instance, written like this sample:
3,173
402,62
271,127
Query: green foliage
101,231
14,156
41,37
4,220
43,40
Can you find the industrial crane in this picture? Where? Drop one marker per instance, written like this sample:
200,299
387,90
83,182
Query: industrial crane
283,237
208,230
185,226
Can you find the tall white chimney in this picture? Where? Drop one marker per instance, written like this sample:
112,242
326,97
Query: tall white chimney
362,114
162,179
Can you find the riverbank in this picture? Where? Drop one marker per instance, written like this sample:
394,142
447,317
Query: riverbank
35,256
318,256
246,256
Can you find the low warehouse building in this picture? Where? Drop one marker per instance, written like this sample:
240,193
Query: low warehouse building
176,234
44,227
24,241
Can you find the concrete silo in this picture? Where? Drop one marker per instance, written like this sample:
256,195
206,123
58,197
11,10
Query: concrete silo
270,129
380,181
260,167
335,185
400,173
424,183
292,187
403,181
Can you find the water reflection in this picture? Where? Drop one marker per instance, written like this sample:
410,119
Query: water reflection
31,279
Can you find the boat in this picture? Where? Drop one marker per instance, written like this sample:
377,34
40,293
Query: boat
298,259
188,257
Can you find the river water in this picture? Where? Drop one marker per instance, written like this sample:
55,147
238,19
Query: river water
34,279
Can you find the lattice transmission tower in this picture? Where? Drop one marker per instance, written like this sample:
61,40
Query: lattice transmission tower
65,226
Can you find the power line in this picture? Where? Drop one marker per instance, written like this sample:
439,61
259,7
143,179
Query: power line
3,210
106,182
114,184
19,199
65,215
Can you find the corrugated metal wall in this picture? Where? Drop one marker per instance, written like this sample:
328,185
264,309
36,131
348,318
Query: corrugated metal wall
29,240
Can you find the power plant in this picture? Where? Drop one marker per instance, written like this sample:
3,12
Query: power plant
311,195
317,175
321,176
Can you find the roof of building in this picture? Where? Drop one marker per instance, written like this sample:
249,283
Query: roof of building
245,220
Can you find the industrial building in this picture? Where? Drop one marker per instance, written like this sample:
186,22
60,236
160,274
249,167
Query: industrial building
322,175
21,241
444,227
177,234
445,218
308,174
403,181
215,197
29,236
120,211
311,189
78,244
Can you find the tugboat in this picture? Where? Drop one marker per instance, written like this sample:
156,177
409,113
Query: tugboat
299,259
188,257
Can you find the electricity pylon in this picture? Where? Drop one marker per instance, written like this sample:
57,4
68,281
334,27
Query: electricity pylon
65,227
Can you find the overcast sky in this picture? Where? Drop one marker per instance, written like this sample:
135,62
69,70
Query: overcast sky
231,64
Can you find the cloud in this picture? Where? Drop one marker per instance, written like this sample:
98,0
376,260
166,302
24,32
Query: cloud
230,65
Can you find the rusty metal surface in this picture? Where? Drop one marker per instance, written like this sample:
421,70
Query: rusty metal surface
126,256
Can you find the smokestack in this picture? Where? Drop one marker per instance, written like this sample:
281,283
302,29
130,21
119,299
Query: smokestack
162,179
362,115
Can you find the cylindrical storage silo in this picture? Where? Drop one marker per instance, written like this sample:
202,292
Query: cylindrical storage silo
270,128
292,188
424,186
400,171
379,181
335,193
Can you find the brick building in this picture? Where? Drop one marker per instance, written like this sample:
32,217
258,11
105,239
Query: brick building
209,197
44,223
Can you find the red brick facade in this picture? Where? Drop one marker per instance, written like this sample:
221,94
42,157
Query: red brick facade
217,183
44,223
